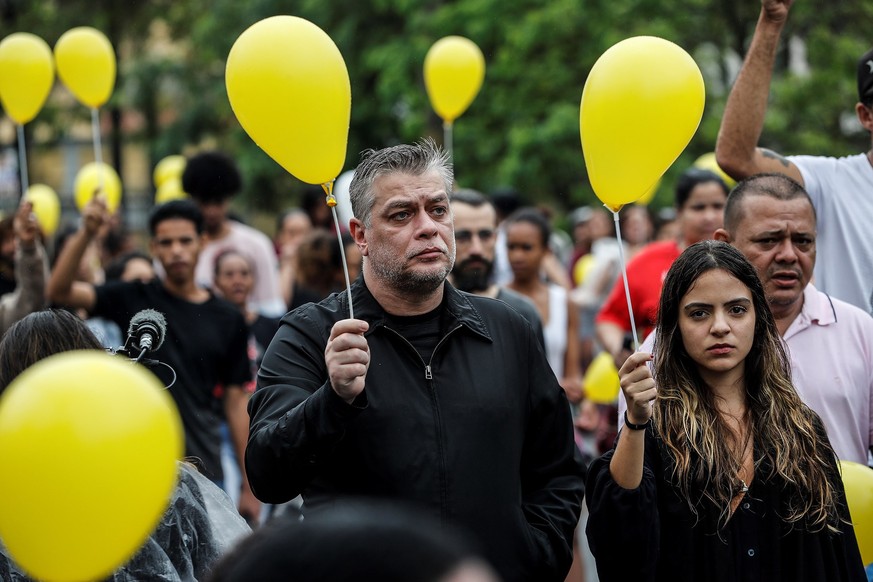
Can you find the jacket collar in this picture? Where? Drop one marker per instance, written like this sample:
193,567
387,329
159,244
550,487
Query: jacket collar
459,308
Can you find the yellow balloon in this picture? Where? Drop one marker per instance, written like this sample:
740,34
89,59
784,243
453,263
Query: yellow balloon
601,380
27,72
46,207
92,441
641,104
858,481
707,162
454,69
650,194
582,268
86,64
169,168
289,88
170,190
97,176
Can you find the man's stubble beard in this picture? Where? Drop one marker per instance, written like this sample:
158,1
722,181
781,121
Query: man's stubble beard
412,282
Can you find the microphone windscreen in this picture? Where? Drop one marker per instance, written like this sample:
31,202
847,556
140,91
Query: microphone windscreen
152,318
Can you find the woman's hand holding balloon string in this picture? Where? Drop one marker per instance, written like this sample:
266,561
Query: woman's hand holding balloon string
626,466
638,387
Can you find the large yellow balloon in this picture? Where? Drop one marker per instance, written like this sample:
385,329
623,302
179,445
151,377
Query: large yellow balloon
27,73
169,168
96,176
88,444
641,104
86,64
454,69
707,162
650,194
289,88
170,190
46,207
601,380
858,481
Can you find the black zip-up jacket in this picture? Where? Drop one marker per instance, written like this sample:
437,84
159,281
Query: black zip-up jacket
481,435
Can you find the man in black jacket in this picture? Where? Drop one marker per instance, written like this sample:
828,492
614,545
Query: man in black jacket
416,392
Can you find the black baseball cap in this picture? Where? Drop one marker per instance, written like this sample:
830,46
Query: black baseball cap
865,77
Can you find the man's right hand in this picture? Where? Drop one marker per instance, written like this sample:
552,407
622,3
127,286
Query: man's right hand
347,356
25,225
776,10
94,215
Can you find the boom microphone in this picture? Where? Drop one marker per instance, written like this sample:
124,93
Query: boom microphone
146,331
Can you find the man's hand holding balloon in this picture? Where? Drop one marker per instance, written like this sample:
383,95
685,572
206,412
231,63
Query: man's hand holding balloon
347,356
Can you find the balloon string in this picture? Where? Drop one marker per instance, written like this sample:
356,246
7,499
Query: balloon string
447,141
331,202
22,160
630,308
98,148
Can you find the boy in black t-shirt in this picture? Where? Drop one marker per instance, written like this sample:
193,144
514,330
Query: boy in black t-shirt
206,336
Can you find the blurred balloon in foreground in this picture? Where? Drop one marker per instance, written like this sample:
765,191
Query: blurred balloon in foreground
46,207
27,72
86,65
858,481
96,176
92,441
289,88
641,105
601,380
454,69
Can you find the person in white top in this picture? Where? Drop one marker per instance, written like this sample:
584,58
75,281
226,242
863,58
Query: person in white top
840,188
527,238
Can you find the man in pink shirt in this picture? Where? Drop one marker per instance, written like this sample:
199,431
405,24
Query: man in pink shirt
771,219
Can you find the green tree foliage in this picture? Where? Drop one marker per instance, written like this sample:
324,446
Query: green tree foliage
522,131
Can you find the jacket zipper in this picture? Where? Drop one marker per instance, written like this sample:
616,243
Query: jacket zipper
428,375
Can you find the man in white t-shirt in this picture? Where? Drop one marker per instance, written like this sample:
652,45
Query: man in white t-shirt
840,188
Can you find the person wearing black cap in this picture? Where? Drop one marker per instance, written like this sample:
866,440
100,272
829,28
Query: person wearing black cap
841,188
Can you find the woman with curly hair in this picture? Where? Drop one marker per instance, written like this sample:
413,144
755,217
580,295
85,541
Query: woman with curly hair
720,472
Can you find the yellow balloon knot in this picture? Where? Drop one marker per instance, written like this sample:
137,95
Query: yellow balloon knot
331,200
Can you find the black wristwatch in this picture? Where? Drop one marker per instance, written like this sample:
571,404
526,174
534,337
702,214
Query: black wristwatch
633,426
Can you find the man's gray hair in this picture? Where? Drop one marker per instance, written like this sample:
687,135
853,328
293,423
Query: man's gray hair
416,159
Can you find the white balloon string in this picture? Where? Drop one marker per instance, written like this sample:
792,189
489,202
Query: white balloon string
331,202
630,308
98,148
22,160
447,141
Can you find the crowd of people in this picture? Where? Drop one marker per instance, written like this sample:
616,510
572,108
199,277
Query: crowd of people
431,422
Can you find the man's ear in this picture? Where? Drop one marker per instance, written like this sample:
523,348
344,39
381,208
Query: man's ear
722,235
865,116
359,233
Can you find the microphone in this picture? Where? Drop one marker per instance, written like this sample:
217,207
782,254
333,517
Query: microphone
146,331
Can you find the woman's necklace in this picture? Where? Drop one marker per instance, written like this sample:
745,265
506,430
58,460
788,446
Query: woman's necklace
742,461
